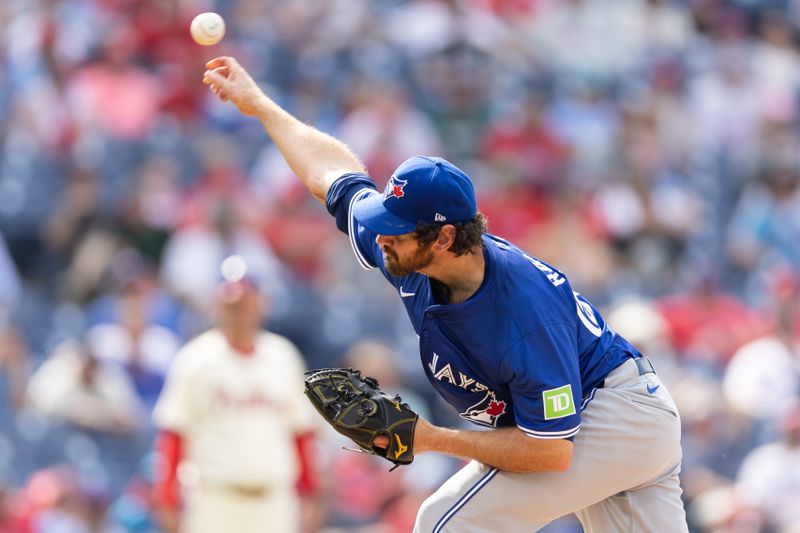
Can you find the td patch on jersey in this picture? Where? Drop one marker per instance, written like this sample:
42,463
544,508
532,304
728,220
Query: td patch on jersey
558,402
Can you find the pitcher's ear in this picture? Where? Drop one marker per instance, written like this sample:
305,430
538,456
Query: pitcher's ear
447,236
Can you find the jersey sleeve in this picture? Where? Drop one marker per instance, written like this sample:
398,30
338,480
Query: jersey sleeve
173,410
544,379
301,414
341,197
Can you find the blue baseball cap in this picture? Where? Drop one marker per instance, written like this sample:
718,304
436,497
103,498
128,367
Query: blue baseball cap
422,189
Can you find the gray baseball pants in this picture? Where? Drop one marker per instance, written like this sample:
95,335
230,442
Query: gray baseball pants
623,477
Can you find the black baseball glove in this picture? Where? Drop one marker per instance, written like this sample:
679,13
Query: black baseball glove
359,410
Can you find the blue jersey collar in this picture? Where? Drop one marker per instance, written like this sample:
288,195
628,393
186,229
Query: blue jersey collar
473,304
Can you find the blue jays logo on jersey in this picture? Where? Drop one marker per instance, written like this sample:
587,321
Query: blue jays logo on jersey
395,187
487,411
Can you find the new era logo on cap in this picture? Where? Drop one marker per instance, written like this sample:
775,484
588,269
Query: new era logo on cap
422,189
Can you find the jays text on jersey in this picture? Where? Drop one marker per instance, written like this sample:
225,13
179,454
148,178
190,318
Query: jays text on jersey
524,350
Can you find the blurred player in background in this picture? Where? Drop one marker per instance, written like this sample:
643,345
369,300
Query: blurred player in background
235,425
580,422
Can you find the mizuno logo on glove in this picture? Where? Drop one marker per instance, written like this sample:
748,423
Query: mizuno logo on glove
400,448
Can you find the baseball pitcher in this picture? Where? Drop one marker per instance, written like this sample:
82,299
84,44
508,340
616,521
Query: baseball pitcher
580,421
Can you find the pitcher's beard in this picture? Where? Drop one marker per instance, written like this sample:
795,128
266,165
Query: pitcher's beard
421,258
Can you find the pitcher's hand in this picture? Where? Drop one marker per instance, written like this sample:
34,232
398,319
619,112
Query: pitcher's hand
231,82
423,432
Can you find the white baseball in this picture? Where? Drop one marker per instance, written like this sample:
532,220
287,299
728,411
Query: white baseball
207,28
234,268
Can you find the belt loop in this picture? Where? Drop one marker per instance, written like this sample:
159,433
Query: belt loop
644,365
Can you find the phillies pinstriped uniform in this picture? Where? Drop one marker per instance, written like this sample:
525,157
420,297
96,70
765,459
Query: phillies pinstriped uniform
234,409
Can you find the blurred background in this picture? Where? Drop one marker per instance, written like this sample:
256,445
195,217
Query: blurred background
647,148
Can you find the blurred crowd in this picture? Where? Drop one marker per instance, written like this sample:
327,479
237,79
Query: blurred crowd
649,148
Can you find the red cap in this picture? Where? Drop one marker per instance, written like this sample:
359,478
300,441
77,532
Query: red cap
236,282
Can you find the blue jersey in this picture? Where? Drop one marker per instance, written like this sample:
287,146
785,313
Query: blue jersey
524,350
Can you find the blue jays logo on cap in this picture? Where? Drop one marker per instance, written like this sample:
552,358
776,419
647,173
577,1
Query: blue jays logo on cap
395,187
423,189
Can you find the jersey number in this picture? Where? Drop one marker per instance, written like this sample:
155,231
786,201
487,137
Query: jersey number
587,316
